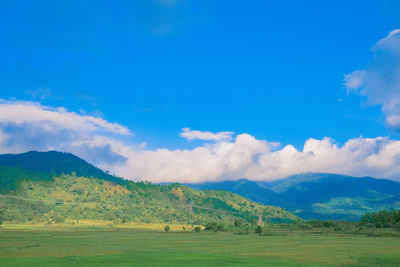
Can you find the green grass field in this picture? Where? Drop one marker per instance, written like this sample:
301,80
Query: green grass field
98,246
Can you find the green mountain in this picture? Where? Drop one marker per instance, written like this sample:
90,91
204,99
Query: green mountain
54,163
319,195
54,186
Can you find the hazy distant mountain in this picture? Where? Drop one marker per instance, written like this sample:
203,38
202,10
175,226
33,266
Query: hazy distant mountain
54,186
318,195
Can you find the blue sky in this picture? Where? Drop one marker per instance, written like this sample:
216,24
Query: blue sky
271,69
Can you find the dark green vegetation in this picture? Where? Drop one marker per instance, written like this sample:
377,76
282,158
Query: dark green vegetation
51,246
382,219
383,223
44,165
319,196
258,230
44,190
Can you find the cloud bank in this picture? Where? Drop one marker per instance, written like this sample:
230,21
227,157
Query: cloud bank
380,81
30,126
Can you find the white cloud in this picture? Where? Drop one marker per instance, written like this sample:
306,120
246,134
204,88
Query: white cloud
380,81
222,160
354,80
192,135
247,157
390,42
54,119
357,157
26,126
31,126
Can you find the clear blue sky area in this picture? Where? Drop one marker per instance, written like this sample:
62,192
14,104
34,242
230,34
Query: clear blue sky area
273,69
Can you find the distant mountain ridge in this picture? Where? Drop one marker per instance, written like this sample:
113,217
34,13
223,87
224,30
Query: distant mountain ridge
318,195
52,187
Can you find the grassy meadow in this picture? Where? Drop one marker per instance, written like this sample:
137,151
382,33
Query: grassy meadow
94,244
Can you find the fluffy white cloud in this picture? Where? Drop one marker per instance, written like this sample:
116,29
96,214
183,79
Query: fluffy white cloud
31,126
223,160
191,135
54,119
26,126
360,157
380,81
247,157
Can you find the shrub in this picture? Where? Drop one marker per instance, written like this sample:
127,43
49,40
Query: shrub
197,229
220,227
55,217
167,228
244,232
258,230
328,224
211,226
238,222
316,223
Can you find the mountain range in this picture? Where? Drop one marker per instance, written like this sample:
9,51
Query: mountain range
53,187
37,185
318,195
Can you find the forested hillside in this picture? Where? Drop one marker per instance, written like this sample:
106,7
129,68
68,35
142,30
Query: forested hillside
39,196
54,163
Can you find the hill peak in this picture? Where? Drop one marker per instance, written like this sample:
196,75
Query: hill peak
56,163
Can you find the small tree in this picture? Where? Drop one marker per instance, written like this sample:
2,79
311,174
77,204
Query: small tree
238,222
1,217
211,226
258,230
55,217
167,228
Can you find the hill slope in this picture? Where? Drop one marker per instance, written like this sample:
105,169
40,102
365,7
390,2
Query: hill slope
44,189
54,163
321,196
249,189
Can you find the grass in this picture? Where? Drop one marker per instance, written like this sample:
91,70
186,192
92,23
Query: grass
148,245
99,224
